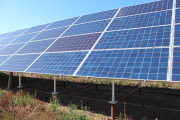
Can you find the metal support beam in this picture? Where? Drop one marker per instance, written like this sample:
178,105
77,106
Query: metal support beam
96,85
10,81
54,86
140,87
64,81
19,81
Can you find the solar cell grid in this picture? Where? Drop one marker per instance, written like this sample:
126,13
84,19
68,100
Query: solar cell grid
6,41
97,16
176,64
18,63
36,28
177,3
177,35
97,26
82,42
148,64
10,49
58,63
177,16
143,20
144,37
4,35
24,38
3,58
36,47
147,7
1,47
50,34
18,32
62,23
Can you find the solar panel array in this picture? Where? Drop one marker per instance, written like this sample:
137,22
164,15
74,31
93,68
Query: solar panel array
135,42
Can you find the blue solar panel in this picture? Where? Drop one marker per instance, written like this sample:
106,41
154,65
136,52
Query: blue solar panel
6,41
62,23
50,34
24,38
177,18
82,42
3,58
98,26
18,32
4,35
58,63
144,37
177,35
177,3
36,28
1,47
18,63
176,65
143,20
10,49
97,16
147,7
36,47
149,64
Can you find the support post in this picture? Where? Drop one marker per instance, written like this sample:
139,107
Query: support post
140,87
19,81
64,81
54,86
10,81
96,85
113,102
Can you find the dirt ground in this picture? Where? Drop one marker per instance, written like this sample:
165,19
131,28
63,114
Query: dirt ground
153,103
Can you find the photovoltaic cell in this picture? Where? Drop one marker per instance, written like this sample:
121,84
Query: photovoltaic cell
50,34
143,37
24,38
147,64
145,8
98,26
1,47
36,47
143,20
3,58
176,65
82,42
18,32
62,23
58,63
36,28
177,35
4,35
177,18
18,63
11,49
6,41
97,16
177,3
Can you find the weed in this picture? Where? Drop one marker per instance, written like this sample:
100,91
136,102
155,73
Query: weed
126,83
55,103
83,80
1,94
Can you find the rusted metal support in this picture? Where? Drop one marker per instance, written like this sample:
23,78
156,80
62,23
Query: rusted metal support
96,85
75,89
10,81
54,86
19,81
113,111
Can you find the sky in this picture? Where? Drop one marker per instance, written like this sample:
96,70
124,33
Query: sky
19,14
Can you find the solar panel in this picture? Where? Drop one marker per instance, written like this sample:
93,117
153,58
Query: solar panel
92,27
177,19
35,47
62,23
4,35
24,38
3,58
97,16
1,47
82,42
176,64
133,38
10,49
145,8
50,34
58,63
6,41
177,35
18,32
177,3
36,28
143,20
18,63
148,64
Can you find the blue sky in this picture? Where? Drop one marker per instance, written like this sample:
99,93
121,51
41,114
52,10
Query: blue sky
19,14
